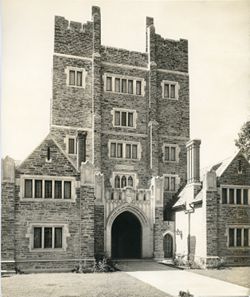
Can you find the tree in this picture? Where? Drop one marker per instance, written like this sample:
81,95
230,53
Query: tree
243,141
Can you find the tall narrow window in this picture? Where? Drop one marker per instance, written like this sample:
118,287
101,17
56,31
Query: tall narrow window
166,183
128,151
172,93
134,151
231,196
231,237
138,87
166,91
224,195
109,83
117,85
113,150
117,118
239,166
238,237
67,190
130,86
124,86
58,189
79,79
172,183
238,196
58,237
246,237
72,77
130,119
124,182
245,196
167,155
47,237
37,243
48,189
173,153
38,188
117,182
48,153
124,119
130,181
71,148
28,188
119,150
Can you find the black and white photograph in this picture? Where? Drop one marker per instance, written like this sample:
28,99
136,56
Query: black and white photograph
125,148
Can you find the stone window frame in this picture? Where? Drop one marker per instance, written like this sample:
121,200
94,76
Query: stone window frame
127,111
235,187
53,225
177,88
49,178
177,182
177,152
124,142
127,78
127,174
66,141
80,69
235,227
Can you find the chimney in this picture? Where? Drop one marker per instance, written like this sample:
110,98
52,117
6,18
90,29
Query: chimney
96,17
193,161
81,147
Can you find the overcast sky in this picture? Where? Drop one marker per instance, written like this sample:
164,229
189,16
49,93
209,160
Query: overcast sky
219,61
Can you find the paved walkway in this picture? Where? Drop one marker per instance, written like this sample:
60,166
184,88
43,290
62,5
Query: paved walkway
172,281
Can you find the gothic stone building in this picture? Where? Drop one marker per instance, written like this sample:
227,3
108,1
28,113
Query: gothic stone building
111,178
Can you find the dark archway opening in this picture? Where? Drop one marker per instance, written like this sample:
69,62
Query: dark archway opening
168,246
126,237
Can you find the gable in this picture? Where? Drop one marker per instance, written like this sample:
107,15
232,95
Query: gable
38,164
231,174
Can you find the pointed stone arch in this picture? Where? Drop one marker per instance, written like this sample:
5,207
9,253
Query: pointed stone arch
147,230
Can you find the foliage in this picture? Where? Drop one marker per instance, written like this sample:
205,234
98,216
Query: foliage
185,294
101,264
243,141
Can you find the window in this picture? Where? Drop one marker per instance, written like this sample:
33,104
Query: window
38,189
109,83
58,189
170,153
122,180
124,118
239,166
76,77
169,89
170,183
124,150
238,237
47,237
47,188
124,85
72,145
237,196
28,188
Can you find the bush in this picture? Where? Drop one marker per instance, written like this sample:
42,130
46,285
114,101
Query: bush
185,294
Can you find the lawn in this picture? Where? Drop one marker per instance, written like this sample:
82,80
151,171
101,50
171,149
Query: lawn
236,275
117,284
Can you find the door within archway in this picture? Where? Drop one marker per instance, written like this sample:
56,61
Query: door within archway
168,246
126,236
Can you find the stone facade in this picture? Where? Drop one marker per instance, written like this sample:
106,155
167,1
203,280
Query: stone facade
117,145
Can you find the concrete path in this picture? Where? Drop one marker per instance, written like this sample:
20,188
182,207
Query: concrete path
172,281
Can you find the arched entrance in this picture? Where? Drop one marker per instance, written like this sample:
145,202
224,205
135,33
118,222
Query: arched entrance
168,246
126,236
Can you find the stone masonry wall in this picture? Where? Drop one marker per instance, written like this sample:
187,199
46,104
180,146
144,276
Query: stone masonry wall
99,229
7,224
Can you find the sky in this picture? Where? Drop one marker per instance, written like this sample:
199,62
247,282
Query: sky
218,33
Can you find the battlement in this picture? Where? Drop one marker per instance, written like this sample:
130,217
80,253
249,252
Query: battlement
171,54
123,56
